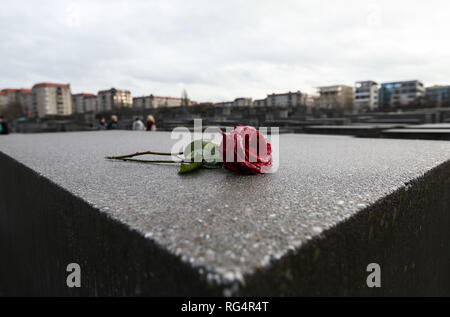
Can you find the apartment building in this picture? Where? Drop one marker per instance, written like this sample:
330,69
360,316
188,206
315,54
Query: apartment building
225,104
25,100
366,95
152,102
438,95
84,102
3,100
11,95
21,97
141,102
238,102
90,103
243,102
112,99
51,99
311,100
289,99
260,103
336,97
400,93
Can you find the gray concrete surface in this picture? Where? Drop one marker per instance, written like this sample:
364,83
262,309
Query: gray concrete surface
430,126
234,234
368,130
418,134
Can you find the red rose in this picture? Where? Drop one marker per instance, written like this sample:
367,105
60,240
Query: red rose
246,151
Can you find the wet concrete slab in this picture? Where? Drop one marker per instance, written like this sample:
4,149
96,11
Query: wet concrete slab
430,126
360,130
423,133
214,232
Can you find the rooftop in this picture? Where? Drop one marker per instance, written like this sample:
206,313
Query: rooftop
114,89
9,90
284,94
334,87
437,87
51,85
85,95
159,97
402,82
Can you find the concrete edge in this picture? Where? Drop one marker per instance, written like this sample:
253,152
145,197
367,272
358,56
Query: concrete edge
43,228
118,261
414,257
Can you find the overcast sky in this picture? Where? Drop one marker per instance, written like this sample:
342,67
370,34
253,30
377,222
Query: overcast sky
219,50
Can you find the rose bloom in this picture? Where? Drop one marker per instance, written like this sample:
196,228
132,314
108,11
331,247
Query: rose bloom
246,151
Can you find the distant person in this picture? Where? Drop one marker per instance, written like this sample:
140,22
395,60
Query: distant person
138,125
114,123
3,126
102,124
151,123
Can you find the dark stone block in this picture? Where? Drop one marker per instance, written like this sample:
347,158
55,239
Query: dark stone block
335,205
417,134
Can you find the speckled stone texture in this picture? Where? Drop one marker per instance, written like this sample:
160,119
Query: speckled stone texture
335,205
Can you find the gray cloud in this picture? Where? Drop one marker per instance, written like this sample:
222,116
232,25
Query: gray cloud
221,50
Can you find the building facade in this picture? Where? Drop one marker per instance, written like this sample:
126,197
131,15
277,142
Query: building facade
336,97
140,102
3,100
90,103
152,102
21,97
311,100
226,104
25,100
260,103
83,103
51,99
366,95
112,99
438,95
290,99
400,93
238,102
243,102
12,96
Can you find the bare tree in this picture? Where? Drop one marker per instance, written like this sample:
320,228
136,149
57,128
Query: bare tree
185,98
12,112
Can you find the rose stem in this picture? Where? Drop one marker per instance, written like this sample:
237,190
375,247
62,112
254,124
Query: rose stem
139,154
143,161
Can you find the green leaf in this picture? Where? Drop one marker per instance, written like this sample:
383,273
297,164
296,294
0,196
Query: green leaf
195,156
211,166
211,154
206,155
196,145
188,168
